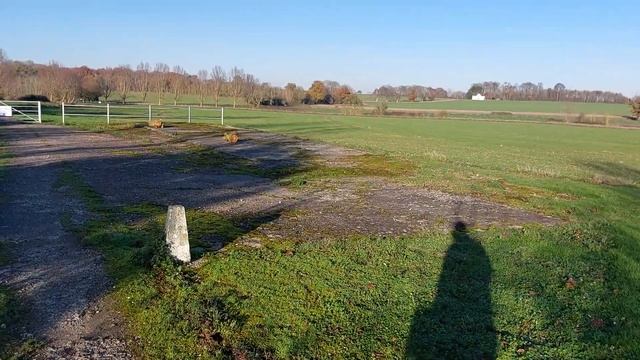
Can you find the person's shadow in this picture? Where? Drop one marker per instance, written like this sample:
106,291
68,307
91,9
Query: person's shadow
459,322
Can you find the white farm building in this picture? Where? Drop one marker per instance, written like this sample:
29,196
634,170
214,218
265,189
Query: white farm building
478,97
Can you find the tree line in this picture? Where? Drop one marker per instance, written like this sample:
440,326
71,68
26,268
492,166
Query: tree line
413,93
499,91
56,83
531,91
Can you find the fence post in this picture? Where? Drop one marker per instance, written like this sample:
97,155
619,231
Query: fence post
107,113
40,112
63,114
149,112
189,114
222,115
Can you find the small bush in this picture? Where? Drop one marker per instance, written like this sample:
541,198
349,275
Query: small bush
34,98
442,114
381,108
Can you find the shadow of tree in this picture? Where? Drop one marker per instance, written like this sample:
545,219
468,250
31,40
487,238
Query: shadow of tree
459,323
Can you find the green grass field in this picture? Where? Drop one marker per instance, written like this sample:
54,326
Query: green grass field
514,106
565,292
439,104
89,115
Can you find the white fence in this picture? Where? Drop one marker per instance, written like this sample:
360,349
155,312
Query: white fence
22,110
110,113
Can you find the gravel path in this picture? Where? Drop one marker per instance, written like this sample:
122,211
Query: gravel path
60,281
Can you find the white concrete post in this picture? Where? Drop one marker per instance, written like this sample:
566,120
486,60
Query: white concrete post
189,114
177,235
40,112
107,113
149,112
62,113
222,116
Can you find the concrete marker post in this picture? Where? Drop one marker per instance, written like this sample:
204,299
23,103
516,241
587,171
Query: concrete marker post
177,235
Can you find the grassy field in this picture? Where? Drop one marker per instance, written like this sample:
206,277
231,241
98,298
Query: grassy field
565,292
91,114
439,104
514,106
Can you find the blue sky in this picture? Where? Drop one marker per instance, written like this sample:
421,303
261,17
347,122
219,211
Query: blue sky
584,44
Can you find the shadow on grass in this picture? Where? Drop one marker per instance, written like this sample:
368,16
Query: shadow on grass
459,322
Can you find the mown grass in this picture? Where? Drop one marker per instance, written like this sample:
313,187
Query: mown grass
565,292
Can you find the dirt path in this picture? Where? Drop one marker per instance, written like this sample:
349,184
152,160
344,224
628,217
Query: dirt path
60,281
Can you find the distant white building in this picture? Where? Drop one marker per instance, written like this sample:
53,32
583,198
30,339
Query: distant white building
478,97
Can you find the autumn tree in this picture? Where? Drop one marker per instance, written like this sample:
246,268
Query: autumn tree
89,85
317,93
413,94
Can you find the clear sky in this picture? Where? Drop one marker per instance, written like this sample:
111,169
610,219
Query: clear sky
588,44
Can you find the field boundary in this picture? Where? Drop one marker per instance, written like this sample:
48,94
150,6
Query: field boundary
514,121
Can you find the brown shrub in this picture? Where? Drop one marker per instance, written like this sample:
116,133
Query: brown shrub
442,114
231,137
156,124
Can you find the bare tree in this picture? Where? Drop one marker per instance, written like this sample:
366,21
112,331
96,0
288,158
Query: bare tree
177,82
161,73
237,79
293,94
105,80
123,80
559,89
142,79
253,91
203,76
218,79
